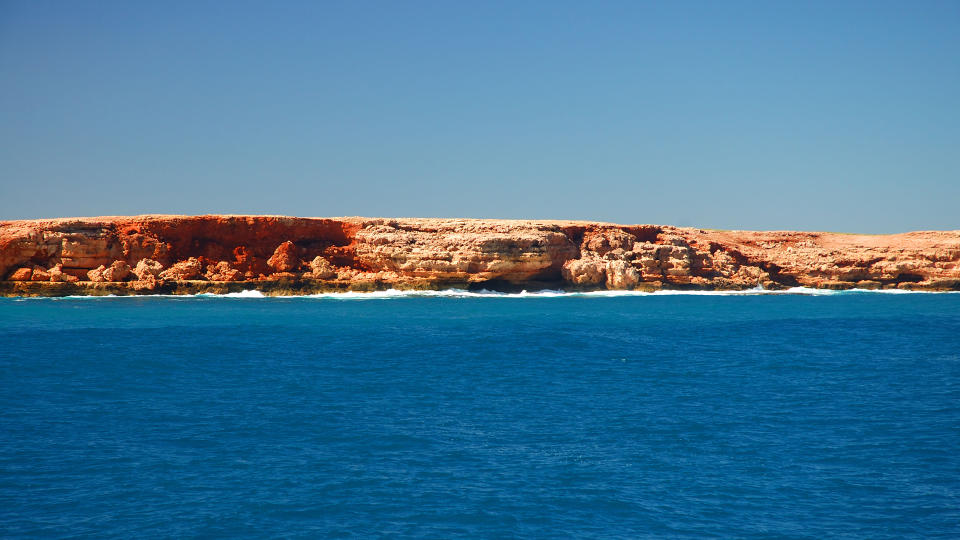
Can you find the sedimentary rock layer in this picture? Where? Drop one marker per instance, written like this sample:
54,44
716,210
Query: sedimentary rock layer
289,255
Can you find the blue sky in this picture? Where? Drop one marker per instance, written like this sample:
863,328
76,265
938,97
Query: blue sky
840,116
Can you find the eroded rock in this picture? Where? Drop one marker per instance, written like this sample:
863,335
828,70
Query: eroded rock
320,268
117,271
96,275
57,274
377,253
147,268
284,258
223,271
39,274
183,270
621,275
585,271
21,274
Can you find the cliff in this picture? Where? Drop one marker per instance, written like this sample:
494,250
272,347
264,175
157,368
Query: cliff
289,255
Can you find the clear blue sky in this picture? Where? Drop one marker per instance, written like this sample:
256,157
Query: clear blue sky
746,115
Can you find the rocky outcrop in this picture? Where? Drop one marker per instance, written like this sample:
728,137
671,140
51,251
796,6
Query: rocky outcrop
468,250
147,268
284,258
321,268
161,253
117,271
21,274
39,274
57,274
183,270
222,271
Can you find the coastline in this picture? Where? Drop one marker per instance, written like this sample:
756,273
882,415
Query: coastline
288,256
295,288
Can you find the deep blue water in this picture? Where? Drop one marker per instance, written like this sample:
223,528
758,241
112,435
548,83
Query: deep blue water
660,416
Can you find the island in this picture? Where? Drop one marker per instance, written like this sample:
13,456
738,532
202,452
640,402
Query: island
280,255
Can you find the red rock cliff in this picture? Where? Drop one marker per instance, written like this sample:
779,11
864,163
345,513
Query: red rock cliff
155,253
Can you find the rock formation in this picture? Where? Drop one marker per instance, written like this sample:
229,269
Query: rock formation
147,268
222,271
21,274
321,268
284,258
185,254
183,270
117,271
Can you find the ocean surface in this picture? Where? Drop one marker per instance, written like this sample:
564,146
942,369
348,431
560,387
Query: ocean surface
481,416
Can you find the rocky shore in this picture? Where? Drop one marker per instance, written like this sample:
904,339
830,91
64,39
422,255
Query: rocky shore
289,255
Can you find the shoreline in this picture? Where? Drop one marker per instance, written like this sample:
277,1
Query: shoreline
278,255
295,288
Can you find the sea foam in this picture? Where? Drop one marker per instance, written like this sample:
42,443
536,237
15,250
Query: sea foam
391,294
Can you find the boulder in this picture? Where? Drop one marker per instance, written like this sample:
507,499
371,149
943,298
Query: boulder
148,282
321,268
620,275
39,274
117,271
222,271
147,268
97,274
584,271
284,258
21,274
57,274
183,270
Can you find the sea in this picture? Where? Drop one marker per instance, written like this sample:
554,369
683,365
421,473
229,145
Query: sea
804,414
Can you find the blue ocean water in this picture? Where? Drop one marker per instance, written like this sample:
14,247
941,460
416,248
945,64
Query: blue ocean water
757,416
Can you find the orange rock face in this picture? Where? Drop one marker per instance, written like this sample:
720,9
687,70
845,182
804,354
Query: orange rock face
348,252
21,274
284,258
184,270
222,271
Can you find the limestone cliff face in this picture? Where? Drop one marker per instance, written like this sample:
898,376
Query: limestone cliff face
468,250
146,254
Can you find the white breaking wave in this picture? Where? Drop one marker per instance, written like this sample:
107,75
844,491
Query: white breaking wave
241,294
446,293
463,293
551,293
